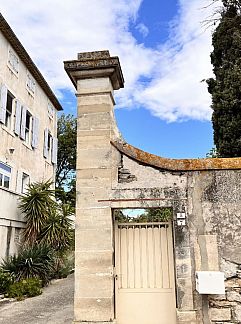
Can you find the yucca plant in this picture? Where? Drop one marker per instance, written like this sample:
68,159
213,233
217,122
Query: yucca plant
36,204
36,261
57,229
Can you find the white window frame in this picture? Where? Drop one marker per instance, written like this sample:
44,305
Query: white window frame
5,172
50,149
25,182
9,114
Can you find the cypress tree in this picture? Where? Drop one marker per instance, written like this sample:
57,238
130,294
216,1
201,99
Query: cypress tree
225,87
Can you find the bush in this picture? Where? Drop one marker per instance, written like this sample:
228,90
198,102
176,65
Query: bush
32,262
5,281
64,265
25,288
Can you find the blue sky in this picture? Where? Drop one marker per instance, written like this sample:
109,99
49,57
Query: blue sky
164,52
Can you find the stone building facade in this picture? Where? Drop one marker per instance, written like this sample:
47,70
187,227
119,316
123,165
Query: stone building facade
204,195
28,131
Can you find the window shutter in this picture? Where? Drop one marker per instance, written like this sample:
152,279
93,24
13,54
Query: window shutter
19,181
3,103
46,134
17,118
54,150
35,129
23,123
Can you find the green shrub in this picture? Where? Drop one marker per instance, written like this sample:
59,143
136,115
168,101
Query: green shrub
32,262
5,281
64,265
25,288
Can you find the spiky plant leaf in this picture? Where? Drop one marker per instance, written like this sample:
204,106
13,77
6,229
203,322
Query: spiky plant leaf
37,203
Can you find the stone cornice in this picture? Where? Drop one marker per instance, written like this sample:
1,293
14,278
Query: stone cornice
95,65
177,164
24,56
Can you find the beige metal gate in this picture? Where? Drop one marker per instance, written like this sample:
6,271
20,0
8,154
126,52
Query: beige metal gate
145,285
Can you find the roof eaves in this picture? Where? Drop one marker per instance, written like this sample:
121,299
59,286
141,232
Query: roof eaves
24,56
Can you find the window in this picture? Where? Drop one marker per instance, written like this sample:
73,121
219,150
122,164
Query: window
50,146
27,127
5,175
6,106
25,182
49,142
9,110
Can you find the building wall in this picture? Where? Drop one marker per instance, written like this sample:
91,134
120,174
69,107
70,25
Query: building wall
210,240
23,157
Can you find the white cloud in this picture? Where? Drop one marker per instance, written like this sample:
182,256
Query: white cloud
56,30
143,30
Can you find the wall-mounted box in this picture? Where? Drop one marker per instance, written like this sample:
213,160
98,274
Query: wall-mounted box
210,282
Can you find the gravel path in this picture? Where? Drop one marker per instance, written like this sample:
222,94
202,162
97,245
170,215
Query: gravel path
54,306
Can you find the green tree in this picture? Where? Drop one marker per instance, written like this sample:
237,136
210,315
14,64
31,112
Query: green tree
36,205
225,87
46,220
57,230
66,166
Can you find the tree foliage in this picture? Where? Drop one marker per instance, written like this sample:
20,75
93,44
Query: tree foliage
225,87
151,215
66,166
46,220
36,205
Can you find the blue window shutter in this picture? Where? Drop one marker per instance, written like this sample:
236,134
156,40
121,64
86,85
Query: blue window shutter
3,103
18,111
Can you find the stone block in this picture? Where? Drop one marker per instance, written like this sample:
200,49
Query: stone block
96,132
183,268
184,294
93,262
98,285
209,252
237,313
93,218
229,268
94,86
100,120
93,240
220,314
188,317
93,310
93,141
182,253
234,296
93,178
86,105
94,158
91,197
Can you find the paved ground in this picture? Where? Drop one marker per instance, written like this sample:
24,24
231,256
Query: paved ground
54,306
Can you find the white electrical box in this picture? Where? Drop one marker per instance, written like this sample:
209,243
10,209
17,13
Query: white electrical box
210,282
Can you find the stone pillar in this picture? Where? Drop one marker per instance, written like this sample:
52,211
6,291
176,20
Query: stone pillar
95,75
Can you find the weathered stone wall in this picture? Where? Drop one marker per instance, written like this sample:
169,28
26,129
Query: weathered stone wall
214,201
210,240
112,174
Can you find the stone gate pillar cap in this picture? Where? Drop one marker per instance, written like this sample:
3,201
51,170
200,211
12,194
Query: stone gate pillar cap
95,65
